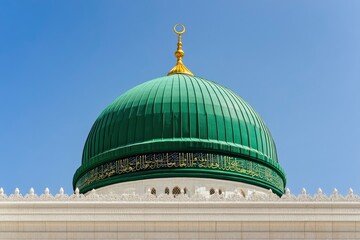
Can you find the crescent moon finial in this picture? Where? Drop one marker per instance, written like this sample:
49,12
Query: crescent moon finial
179,54
182,29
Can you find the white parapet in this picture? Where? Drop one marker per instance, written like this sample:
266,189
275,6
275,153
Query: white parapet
259,215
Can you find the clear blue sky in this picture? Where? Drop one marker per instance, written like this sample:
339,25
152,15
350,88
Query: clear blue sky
296,62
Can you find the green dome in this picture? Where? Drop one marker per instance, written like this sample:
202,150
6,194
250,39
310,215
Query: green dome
179,126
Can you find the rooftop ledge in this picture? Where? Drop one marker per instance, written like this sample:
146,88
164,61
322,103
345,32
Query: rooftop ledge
235,196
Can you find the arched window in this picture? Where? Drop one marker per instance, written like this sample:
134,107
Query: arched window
153,191
242,192
220,192
185,190
167,191
176,191
212,191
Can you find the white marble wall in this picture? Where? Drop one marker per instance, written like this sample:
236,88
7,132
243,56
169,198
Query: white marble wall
180,230
200,186
96,219
124,216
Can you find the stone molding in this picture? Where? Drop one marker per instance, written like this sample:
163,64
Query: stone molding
235,197
96,207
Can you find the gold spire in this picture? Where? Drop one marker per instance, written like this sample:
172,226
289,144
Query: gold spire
179,54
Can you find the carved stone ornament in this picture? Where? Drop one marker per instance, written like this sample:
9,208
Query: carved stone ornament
234,196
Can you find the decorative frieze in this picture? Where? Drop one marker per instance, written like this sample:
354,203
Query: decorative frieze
157,161
148,197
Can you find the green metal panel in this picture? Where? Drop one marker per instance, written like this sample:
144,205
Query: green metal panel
178,113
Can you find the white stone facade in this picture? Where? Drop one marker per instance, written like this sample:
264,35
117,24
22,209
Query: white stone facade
186,186
133,216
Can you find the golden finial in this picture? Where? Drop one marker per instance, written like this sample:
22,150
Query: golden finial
179,54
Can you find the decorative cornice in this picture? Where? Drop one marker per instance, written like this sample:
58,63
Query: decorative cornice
234,197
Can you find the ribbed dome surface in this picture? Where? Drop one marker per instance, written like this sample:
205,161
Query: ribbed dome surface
178,113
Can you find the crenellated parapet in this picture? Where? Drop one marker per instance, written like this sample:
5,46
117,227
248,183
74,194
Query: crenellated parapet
234,196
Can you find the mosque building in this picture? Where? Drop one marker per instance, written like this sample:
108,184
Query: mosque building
179,157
